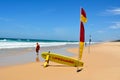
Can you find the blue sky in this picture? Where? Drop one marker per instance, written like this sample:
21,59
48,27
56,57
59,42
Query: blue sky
59,19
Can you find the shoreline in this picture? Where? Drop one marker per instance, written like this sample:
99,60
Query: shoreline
16,56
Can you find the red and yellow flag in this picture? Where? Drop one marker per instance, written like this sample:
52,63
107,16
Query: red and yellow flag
83,16
82,32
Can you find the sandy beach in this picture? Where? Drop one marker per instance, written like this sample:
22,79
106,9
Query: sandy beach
101,62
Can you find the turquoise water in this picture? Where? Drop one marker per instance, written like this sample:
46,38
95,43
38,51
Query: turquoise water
31,40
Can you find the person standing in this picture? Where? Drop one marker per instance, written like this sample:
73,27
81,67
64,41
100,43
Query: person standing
89,43
37,48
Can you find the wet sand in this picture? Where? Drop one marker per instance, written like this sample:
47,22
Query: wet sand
17,56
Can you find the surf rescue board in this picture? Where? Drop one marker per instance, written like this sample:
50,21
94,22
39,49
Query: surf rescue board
61,59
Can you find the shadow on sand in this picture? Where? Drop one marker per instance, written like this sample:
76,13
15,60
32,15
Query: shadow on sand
58,66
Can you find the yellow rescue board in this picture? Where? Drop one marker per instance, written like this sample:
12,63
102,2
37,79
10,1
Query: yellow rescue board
62,59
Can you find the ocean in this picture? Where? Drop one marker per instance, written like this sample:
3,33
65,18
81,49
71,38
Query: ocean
7,43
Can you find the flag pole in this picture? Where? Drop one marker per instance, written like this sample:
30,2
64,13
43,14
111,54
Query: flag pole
83,19
79,51
78,70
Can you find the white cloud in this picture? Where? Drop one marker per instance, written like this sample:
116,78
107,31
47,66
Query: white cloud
115,11
109,12
115,26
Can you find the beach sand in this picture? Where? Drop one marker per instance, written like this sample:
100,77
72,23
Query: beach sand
101,62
